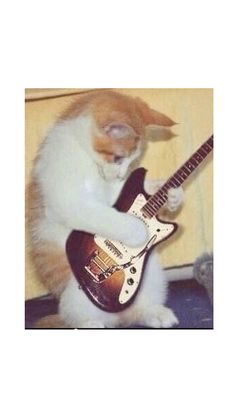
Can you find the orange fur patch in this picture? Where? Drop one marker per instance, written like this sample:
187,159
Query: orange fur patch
49,259
52,266
34,203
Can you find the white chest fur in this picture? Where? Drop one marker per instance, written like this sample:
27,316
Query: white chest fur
131,260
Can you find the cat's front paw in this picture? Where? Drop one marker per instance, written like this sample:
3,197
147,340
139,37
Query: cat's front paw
160,317
175,199
175,195
151,186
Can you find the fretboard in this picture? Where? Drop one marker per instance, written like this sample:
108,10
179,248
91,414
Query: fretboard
152,206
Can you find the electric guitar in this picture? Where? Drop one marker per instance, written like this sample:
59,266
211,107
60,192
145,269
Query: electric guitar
109,272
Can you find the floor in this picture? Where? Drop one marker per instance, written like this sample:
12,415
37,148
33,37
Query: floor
187,298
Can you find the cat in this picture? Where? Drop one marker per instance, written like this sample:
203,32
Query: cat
77,176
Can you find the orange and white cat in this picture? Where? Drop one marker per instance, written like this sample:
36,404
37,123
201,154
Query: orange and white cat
77,176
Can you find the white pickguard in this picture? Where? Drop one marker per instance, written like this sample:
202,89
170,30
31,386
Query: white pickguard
122,254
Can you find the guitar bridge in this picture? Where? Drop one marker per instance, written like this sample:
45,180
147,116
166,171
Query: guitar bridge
95,277
97,268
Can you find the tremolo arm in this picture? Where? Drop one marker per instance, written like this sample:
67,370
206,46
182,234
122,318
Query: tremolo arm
132,260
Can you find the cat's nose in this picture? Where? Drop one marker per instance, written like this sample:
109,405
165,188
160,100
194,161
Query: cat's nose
118,159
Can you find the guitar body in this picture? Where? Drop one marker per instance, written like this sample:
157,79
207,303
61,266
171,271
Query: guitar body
109,272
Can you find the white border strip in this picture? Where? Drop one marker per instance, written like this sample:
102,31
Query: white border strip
179,273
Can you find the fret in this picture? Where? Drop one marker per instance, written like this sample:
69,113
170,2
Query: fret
151,205
206,147
161,200
194,161
182,174
172,183
210,142
190,165
161,196
185,169
147,211
202,153
162,191
176,180
151,212
179,179
198,157
156,204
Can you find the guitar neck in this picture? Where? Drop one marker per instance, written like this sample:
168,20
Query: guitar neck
152,206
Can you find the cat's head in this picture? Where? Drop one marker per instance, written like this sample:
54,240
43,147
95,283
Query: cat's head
117,124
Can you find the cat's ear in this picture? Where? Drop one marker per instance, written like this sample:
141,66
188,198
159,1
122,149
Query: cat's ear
158,133
157,125
151,116
118,131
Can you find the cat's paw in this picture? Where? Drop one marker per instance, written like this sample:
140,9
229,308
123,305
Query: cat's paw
175,195
151,186
92,324
175,199
160,317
